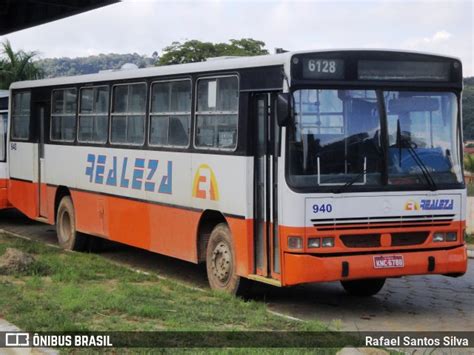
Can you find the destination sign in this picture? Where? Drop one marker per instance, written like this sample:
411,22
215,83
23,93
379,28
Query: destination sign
403,70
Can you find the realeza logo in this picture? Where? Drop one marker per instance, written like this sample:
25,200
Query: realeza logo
139,174
412,206
205,184
430,205
441,204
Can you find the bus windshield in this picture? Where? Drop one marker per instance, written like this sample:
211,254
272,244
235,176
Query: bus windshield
337,138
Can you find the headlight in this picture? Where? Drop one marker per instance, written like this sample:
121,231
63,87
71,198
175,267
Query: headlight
295,242
328,242
314,242
439,237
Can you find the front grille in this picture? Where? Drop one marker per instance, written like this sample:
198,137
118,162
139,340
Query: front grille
411,238
361,241
349,223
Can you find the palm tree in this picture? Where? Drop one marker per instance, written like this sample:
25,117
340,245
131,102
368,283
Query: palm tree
17,66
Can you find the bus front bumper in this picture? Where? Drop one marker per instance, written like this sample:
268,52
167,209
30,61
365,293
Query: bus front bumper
304,268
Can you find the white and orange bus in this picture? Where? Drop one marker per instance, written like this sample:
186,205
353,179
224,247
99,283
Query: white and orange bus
3,149
290,168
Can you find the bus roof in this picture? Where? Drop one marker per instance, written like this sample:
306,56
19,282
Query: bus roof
3,93
208,66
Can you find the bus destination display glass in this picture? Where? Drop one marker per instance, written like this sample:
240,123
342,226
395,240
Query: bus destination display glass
403,70
319,68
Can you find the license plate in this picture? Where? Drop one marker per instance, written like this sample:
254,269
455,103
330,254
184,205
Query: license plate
388,261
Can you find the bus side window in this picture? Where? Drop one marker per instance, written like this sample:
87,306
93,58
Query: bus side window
128,114
21,115
93,114
217,112
63,115
170,113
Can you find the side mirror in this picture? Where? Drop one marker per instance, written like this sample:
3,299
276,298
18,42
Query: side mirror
284,109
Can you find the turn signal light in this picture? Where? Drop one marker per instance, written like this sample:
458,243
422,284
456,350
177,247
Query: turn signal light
451,236
295,242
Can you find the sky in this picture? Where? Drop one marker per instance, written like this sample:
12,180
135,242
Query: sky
143,26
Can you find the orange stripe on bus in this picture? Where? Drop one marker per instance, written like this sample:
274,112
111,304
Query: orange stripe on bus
4,194
162,229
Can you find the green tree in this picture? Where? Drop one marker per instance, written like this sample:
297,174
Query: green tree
469,162
54,67
17,66
468,108
197,51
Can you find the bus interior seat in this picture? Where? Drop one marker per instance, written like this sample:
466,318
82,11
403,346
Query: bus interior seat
178,135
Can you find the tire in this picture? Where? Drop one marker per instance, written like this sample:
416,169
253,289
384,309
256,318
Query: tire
221,262
68,237
363,288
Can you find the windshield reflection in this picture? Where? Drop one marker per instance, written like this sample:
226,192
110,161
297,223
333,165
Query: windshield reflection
426,122
337,138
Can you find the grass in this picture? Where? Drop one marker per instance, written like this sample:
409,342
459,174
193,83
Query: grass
66,291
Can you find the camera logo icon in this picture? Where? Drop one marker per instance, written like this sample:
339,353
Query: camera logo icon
17,339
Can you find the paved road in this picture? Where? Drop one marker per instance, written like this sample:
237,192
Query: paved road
434,303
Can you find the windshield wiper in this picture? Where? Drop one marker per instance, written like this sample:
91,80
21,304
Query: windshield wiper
424,170
351,182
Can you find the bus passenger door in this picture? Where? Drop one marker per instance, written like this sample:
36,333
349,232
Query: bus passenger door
265,207
42,189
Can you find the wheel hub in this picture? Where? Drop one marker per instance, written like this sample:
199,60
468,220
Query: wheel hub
221,262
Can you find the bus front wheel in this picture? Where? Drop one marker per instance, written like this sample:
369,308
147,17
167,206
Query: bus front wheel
363,288
220,261
68,237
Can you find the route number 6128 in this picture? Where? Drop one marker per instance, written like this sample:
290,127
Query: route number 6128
322,66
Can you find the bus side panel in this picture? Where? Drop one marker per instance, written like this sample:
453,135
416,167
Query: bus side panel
242,231
24,196
151,199
128,221
23,183
3,188
4,198
50,200
173,231
163,229
224,183
91,214
3,185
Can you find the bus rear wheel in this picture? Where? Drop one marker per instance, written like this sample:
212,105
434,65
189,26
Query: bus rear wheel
68,237
220,261
363,288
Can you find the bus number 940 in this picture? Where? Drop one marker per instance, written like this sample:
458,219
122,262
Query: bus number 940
322,208
322,66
